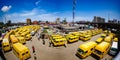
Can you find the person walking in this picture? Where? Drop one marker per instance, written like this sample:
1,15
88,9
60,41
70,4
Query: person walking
43,42
43,36
33,48
39,37
50,43
35,58
65,43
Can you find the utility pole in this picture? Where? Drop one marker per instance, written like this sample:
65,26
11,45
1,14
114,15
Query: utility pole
108,16
74,7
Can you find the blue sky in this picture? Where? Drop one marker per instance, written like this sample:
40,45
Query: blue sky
20,10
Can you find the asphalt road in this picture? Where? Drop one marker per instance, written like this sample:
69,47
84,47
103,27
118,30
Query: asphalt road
44,52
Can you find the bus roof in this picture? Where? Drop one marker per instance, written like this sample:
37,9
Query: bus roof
20,37
19,47
102,46
91,43
71,37
99,39
84,47
56,37
13,38
88,45
114,45
87,36
61,39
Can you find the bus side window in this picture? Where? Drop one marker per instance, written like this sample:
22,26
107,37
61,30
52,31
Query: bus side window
23,54
7,45
103,52
4,46
91,49
86,51
16,52
27,52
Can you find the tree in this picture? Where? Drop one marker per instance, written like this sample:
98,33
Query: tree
47,22
39,21
8,23
1,23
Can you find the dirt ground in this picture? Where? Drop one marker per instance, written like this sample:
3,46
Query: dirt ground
44,52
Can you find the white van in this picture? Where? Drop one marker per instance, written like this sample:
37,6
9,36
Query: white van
114,48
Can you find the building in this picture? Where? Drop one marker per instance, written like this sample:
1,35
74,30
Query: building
28,21
113,21
57,21
98,19
110,21
35,22
118,22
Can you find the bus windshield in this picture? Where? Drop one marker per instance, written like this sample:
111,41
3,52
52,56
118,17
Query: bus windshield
98,52
81,51
114,49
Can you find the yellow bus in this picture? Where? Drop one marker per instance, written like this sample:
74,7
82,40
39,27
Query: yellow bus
85,37
111,35
72,38
21,40
6,44
21,51
13,39
89,32
101,49
86,49
115,39
108,39
28,37
56,37
58,42
23,34
76,34
99,40
103,35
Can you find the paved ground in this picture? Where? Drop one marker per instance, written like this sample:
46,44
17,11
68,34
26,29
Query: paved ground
44,52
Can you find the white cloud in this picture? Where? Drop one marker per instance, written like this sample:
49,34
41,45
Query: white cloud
28,14
40,14
37,2
6,8
35,14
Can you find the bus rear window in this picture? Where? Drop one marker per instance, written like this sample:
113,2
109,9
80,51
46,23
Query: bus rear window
23,54
27,52
61,41
56,41
7,45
